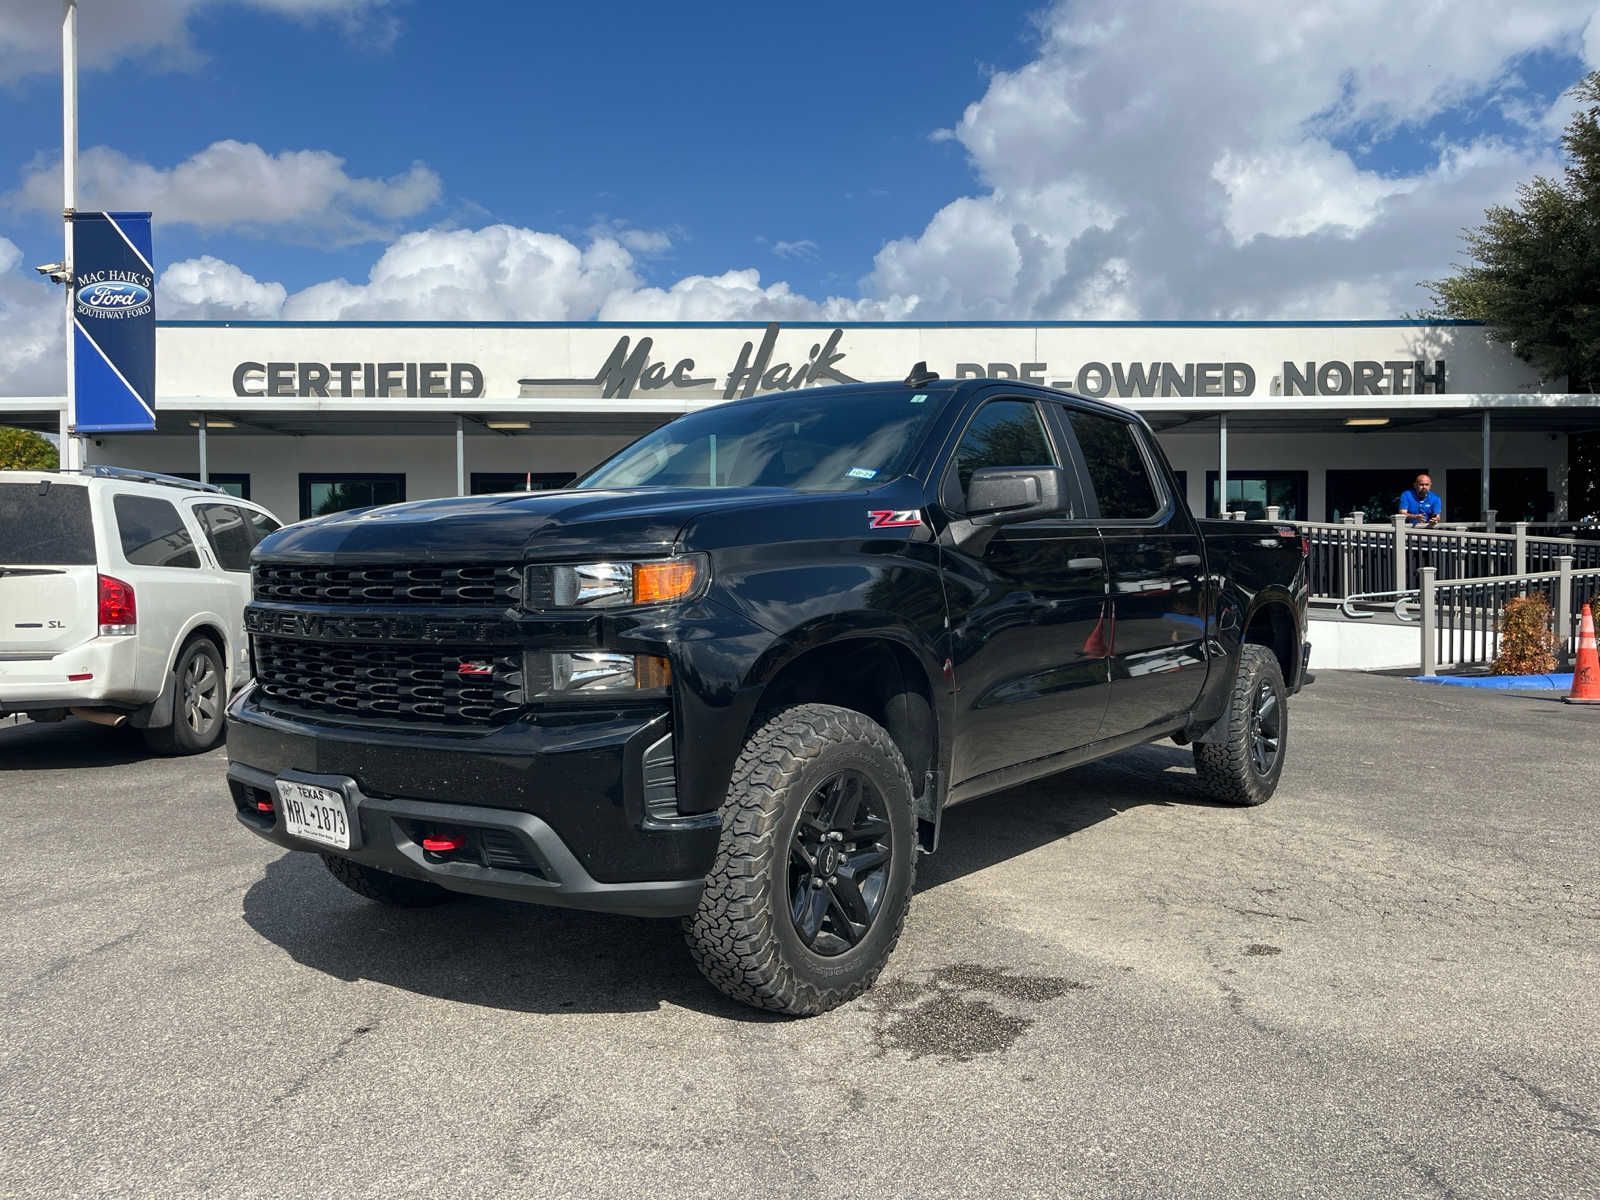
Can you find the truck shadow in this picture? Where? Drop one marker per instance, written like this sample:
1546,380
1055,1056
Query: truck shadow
526,958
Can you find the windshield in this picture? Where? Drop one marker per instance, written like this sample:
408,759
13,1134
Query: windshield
828,443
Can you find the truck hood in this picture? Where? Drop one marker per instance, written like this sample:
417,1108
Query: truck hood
512,526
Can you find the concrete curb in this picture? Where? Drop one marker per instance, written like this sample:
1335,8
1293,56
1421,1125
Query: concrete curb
1502,682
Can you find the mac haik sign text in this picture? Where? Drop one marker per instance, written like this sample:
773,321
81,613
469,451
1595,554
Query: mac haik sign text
487,363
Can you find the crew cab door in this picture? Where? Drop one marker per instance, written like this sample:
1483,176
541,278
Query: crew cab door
1027,638
1156,567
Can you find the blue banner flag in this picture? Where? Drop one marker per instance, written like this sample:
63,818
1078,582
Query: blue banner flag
113,322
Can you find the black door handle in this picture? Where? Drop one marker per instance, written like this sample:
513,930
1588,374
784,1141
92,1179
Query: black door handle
1085,564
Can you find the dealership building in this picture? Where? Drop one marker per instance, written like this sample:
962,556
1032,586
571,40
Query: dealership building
1320,418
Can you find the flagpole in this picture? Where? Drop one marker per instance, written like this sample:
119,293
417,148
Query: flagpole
71,447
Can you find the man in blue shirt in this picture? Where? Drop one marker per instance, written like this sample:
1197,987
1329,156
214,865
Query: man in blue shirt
1420,504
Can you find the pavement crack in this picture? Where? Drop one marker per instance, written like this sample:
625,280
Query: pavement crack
1582,1120
305,1078
68,961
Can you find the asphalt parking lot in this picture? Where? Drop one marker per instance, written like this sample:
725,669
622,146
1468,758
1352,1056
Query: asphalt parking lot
1384,983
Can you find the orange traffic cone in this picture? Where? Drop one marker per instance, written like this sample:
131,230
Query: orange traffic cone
1586,675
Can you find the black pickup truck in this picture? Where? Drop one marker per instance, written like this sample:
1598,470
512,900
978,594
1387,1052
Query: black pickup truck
737,673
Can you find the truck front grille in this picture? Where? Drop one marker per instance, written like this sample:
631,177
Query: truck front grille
438,585
439,685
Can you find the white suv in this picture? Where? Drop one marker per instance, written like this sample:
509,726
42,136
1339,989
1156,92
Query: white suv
122,599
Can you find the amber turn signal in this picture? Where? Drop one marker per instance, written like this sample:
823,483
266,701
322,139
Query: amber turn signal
656,582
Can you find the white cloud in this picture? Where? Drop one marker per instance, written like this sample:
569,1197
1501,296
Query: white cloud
1213,187
232,184
800,248
112,30
208,289
32,320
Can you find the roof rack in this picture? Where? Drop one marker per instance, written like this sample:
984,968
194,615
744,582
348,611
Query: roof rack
133,476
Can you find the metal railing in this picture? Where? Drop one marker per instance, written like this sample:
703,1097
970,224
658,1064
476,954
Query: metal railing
1353,558
1461,618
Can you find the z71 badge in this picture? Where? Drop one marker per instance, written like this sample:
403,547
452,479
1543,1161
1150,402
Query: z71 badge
886,518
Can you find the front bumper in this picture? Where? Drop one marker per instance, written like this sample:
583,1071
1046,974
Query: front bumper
558,800
510,855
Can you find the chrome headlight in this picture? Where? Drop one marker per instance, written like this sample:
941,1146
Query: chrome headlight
616,584
590,672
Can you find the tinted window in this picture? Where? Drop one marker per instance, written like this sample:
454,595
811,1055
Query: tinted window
152,533
1116,467
809,443
45,523
228,534
324,494
1005,433
259,525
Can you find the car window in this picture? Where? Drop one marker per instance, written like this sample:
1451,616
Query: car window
228,534
152,533
1005,433
1117,469
45,522
259,525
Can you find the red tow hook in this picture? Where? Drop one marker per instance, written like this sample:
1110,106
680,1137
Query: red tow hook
443,843
263,806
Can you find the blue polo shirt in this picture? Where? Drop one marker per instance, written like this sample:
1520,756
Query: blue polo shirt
1419,508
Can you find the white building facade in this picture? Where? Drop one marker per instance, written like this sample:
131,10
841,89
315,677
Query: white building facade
1318,418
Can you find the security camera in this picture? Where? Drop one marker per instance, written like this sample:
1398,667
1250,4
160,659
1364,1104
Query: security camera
57,272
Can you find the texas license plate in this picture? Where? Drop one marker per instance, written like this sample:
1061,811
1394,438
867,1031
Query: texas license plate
317,814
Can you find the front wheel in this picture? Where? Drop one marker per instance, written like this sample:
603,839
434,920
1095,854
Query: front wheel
1243,768
813,873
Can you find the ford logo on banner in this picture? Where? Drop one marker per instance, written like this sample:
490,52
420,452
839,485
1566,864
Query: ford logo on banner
114,295
113,323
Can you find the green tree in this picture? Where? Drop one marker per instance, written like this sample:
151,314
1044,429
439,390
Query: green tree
1534,279
23,450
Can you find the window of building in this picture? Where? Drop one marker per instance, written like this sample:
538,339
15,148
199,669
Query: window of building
324,494
1256,491
235,485
1515,494
1005,433
152,533
489,483
1117,468
1373,493
229,534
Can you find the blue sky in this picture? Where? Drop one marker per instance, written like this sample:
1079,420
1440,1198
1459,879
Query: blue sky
733,126
1064,159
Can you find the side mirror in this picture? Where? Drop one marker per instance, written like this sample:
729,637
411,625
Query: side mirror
1004,495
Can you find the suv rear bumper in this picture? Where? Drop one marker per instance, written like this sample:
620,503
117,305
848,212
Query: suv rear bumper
553,810
39,681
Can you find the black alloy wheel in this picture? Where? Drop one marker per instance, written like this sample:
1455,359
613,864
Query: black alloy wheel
1266,728
839,864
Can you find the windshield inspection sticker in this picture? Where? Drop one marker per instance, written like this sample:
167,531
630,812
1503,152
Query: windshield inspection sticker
888,518
861,473
920,398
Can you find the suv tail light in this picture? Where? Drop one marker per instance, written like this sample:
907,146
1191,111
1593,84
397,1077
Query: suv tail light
118,613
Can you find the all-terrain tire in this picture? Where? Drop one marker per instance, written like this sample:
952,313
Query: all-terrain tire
384,887
742,935
200,696
1231,769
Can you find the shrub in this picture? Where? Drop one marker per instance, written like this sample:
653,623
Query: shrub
1527,643
22,450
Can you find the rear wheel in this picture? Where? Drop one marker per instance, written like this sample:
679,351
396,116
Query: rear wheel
813,873
199,697
385,888
1244,767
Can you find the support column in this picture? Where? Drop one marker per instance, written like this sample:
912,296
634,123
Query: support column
205,473
71,444
1222,464
1483,475
461,458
